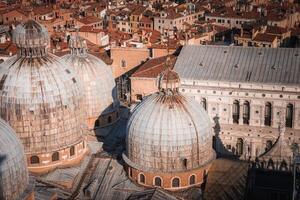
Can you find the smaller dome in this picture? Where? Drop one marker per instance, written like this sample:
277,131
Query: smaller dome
31,38
13,169
100,96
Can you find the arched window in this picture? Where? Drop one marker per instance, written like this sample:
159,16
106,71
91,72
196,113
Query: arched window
123,63
142,178
109,119
239,146
192,180
268,114
34,160
97,123
246,113
55,156
157,181
269,145
289,116
203,103
236,112
175,182
72,151
283,166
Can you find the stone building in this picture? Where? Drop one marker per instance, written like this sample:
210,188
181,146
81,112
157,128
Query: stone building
245,91
100,95
41,99
14,179
168,139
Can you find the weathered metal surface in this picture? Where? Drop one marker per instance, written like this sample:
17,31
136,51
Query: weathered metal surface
239,64
169,132
13,169
40,97
100,95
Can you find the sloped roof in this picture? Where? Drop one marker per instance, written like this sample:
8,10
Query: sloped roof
151,194
152,68
239,64
226,180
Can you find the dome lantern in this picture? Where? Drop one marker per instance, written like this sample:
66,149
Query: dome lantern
31,38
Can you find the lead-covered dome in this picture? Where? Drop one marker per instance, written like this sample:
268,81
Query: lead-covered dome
13,169
168,132
40,97
100,95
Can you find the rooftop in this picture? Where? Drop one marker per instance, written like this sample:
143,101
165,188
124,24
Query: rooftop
239,64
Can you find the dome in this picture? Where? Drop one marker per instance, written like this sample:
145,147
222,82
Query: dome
168,138
100,96
165,131
169,132
13,169
40,97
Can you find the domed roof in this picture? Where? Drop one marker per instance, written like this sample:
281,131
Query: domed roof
40,97
30,34
100,95
13,168
168,132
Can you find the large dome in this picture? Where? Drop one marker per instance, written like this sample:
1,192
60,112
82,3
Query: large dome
100,95
165,131
40,97
168,138
13,168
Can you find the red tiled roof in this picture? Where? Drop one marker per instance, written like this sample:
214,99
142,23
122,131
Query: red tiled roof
152,68
276,30
89,20
90,29
42,10
264,37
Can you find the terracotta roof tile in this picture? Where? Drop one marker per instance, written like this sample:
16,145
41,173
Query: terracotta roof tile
152,68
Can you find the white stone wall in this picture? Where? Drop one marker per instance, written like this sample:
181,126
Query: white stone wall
220,97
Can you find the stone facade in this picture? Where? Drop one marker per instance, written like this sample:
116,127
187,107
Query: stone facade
219,99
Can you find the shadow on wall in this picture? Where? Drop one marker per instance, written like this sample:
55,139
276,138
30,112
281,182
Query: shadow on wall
113,136
218,145
106,113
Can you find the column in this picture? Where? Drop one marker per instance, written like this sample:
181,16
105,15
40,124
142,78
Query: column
262,121
241,114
